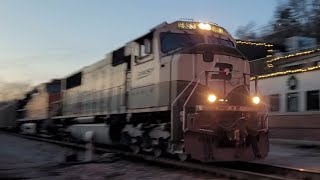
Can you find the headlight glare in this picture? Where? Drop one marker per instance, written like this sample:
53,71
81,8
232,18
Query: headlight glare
256,100
212,98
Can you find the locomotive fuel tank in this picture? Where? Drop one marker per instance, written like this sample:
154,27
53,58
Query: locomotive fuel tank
101,132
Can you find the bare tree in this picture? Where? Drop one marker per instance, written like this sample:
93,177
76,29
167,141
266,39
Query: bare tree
246,32
291,18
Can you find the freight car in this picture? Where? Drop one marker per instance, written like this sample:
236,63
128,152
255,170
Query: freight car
8,115
182,88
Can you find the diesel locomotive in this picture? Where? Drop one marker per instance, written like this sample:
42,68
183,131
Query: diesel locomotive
182,88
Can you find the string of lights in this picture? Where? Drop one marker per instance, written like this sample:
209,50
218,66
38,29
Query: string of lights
260,44
293,55
255,43
281,73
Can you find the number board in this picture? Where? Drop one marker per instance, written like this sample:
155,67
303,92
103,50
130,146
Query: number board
195,26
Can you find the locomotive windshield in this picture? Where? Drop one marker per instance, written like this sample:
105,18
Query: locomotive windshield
215,40
173,41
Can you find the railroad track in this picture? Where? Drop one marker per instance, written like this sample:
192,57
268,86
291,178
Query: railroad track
232,170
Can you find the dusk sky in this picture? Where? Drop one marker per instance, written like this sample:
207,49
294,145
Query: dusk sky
42,39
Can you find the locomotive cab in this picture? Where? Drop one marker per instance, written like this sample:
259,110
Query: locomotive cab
191,77
215,114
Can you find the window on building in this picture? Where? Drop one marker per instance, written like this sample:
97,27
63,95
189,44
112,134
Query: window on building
274,102
312,100
293,102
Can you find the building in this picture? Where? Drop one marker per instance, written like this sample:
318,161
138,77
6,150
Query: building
290,85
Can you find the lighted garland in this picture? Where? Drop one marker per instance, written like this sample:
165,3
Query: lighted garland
270,65
293,55
281,73
255,44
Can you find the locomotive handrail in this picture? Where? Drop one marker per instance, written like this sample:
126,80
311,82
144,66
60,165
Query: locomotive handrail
199,79
255,80
182,92
176,99
184,105
266,121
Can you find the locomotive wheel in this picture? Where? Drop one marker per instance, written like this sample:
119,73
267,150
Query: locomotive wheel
135,149
183,157
157,152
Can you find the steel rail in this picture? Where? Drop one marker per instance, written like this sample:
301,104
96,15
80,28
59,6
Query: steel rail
236,170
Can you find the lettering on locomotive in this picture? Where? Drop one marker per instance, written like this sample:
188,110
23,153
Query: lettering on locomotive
225,70
144,73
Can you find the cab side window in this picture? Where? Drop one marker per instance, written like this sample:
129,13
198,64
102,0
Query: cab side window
145,47
144,50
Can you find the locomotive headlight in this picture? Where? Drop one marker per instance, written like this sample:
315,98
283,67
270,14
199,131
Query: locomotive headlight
256,100
212,98
204,26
